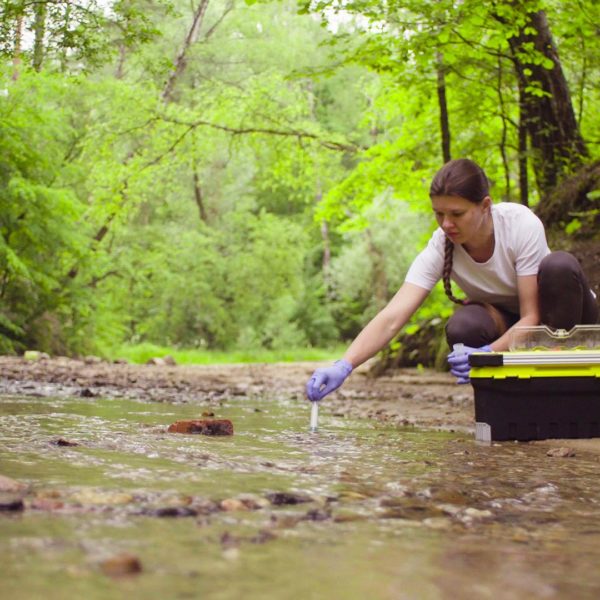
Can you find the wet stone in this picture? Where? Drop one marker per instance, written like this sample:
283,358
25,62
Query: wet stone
101,497
562,452
46,504
285,498
11,503
346,516
11,485
121,565
413,512
245,502
87,393
232,505
64,443
285,521
172,511
262,537
317,514
203,427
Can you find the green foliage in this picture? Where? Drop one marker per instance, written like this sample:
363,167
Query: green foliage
142,353
204,219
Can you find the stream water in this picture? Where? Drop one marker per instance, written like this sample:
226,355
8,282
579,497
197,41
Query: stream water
356,510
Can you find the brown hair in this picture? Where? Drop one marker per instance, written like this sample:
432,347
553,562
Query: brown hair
464,178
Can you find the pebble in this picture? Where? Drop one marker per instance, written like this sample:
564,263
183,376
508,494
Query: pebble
11,503
317,514
439,523
232,505
63,442
11,485
285,498
121,564
173,511
93,497
285,521
46,504
350,496
561,452
476,513
203,427
346,516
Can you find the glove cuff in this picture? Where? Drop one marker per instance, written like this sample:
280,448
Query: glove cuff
346,366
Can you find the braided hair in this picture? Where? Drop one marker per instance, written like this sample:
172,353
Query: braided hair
448,258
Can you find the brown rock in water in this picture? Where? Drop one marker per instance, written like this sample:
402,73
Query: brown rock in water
63,442
121,564
11,485
562,452
11,503
203,426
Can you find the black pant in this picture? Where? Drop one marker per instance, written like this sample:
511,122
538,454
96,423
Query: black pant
565,299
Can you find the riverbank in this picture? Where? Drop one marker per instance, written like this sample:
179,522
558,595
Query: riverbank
407,397
423,398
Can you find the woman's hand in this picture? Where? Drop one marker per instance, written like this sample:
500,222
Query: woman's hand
327,379
459,362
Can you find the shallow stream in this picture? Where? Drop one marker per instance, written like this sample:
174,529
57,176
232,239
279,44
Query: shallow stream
356,510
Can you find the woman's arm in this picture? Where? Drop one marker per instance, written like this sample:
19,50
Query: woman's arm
528,308
386,324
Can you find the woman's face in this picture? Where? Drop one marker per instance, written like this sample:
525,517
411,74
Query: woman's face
462,220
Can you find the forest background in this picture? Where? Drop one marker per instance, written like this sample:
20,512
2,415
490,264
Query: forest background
227,176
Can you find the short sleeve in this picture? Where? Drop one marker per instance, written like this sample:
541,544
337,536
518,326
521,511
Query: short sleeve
530,244
426,269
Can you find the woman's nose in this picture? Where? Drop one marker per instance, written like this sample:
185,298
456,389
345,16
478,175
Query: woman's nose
447,223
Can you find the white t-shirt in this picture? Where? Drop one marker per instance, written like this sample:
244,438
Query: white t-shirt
520,245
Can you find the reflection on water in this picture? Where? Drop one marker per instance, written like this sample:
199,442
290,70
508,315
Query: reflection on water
353,511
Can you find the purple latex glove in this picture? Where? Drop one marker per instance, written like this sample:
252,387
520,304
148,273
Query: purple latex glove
327,379
459,362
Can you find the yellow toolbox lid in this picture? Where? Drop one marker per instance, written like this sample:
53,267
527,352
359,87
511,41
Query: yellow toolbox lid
536,363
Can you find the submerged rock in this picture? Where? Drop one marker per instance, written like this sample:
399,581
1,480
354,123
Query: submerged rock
562,452
203,427
93,497
11,485
348,516
172,511
63,442
284,498
121,564
244,502
11,503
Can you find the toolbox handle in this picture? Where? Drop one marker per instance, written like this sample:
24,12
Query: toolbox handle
486,359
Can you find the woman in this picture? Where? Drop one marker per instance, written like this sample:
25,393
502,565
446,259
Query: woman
498,256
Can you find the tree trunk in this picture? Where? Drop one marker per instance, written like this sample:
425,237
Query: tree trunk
522,133
557,147
66,21
503,139
444,121
17,47
39,29
181,60
199,197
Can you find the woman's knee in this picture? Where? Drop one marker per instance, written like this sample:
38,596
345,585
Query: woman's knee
556,265
471,325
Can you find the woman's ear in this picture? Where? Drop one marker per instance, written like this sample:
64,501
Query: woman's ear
486,203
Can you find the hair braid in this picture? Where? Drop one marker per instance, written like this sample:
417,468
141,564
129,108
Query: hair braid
448,257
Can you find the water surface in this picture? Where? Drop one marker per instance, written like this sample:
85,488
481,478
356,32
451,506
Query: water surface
389,513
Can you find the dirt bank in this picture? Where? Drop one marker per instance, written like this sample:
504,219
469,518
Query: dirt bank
409,396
